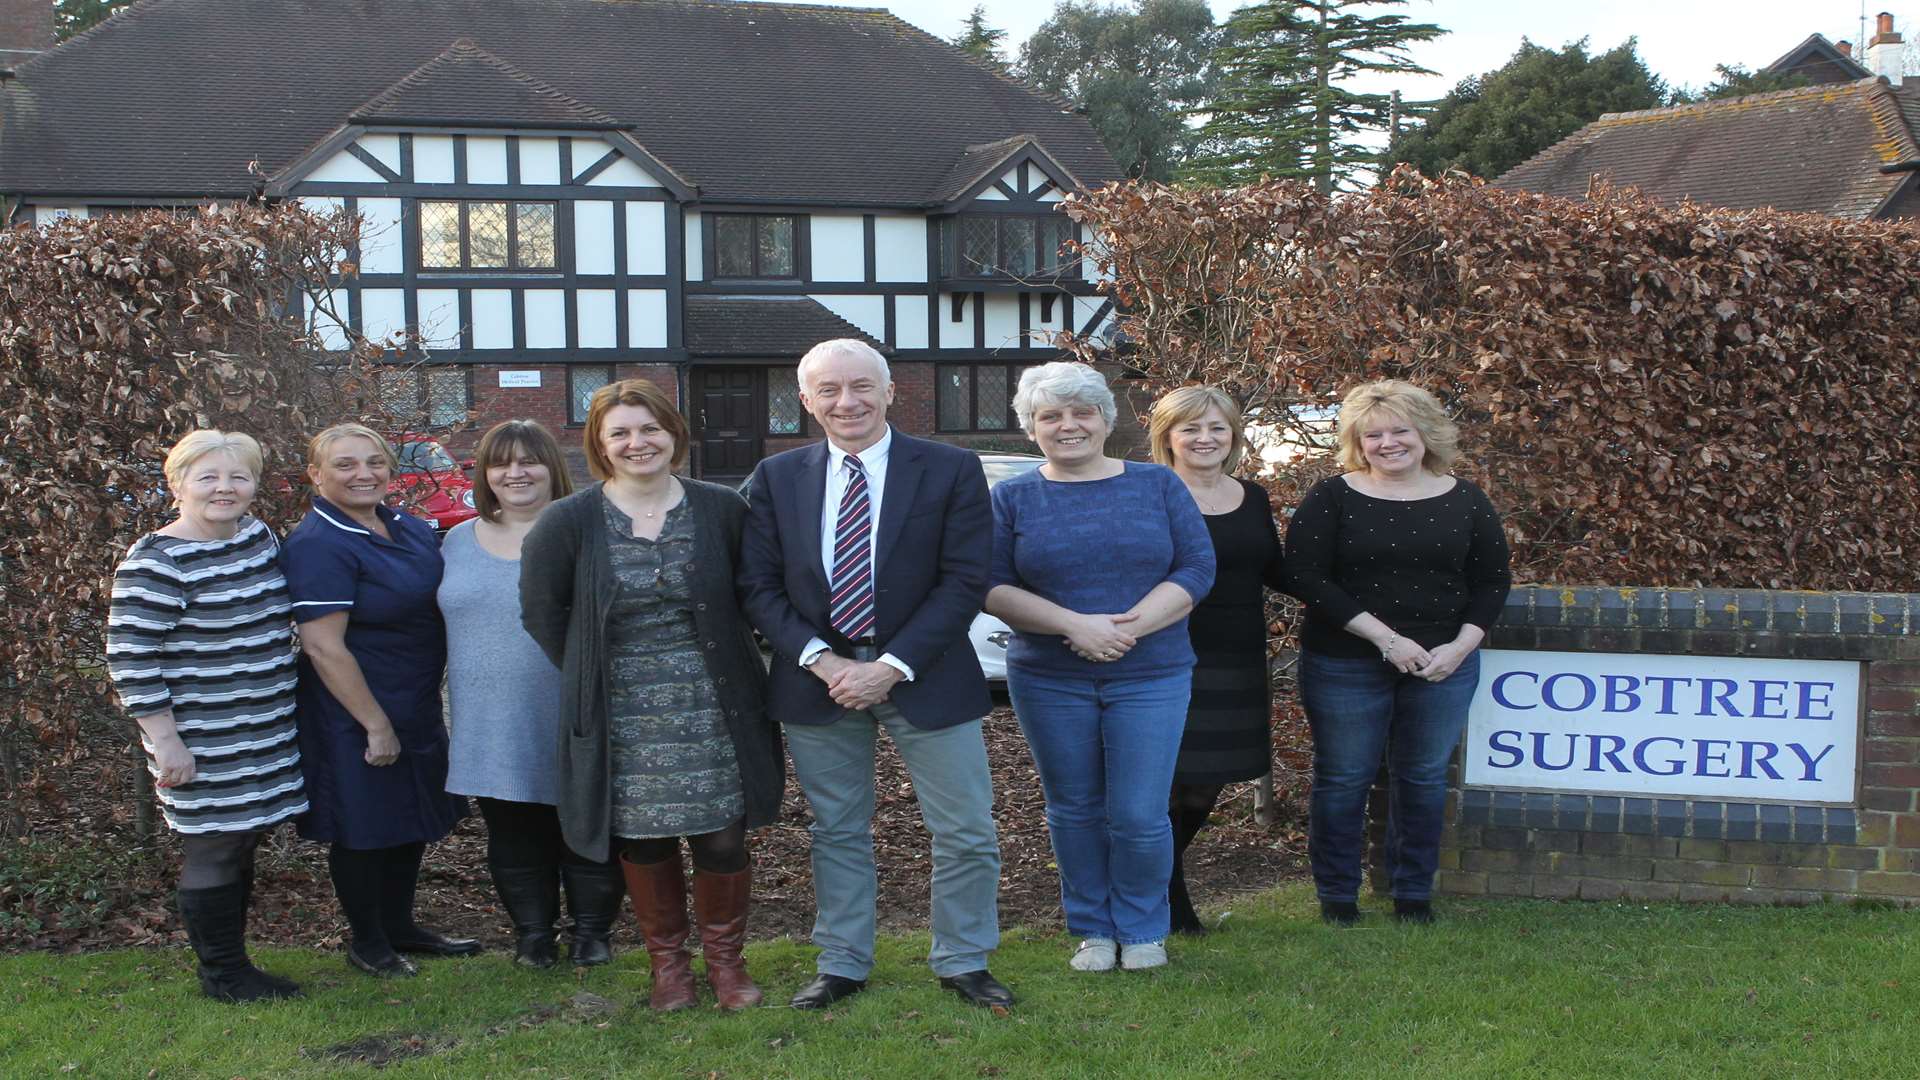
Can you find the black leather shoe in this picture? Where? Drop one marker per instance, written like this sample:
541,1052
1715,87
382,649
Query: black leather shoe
422,940
979,988
1417,912
384,964
1339,912
824,990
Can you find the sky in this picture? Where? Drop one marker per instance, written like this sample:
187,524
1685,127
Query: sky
1680,40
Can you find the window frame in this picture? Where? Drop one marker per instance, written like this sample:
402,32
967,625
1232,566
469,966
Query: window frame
514,266
950,242
1013,370
613,376
755,221
421,375
805,430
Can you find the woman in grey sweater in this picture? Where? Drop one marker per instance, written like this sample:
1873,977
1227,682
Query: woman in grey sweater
629,587
505,698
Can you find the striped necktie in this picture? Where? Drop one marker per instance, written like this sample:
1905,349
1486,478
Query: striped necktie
850,611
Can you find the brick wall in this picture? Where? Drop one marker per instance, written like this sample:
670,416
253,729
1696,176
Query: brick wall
1595,847
546,403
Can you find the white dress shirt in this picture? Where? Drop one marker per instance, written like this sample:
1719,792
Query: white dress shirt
873,460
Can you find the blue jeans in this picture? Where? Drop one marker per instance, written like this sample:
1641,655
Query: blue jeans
1105,750
1357,709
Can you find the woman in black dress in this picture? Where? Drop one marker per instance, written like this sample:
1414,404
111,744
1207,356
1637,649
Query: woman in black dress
1200,433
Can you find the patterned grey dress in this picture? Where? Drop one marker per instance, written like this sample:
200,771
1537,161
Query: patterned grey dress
674,770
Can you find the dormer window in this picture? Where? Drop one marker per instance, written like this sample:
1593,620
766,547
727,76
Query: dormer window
1004,245
473,235
754,246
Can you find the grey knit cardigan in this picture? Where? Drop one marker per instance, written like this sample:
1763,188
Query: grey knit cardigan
566,590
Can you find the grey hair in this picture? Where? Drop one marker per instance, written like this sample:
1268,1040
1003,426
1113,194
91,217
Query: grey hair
1063,382
847,345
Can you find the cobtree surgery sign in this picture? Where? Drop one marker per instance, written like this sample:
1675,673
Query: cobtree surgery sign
1708,726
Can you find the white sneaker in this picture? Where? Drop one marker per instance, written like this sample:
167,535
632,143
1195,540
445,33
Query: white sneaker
1095,954
1147,954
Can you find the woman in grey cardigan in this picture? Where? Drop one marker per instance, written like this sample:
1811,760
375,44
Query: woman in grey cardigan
628,587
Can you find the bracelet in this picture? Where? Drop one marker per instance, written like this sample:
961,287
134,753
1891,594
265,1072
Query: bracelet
1388,648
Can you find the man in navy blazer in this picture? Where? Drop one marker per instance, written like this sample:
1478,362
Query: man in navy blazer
864,561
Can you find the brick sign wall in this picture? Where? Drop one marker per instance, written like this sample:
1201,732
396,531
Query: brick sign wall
1611,847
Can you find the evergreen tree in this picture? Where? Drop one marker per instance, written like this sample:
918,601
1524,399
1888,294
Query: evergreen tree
71,17
1139,69
979,39
1492,122
1737,81
1283,109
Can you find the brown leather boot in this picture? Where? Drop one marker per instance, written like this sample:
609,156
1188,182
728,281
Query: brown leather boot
659,894
720,907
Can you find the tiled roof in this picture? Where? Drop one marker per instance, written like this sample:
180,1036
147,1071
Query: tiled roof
751,102
1819,61
467,85
1818,149
770,326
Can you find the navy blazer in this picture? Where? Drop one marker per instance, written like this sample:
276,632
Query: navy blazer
932,551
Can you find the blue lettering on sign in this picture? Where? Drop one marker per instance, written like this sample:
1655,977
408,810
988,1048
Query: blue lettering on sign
1587,692
1750,756
1673,766
1704,747
1621,695
1807,701
1724,696
1763,699
1667,684
1612,754
1518,755
1812,771
1500,689
1540,752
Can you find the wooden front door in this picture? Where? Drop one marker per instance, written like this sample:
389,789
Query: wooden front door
729,415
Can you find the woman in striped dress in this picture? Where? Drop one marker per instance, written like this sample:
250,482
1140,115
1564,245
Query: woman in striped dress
200,651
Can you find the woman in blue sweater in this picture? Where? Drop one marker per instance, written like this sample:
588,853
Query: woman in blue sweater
1096,563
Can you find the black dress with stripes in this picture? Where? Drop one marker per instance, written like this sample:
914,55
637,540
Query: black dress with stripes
1229,719
202,627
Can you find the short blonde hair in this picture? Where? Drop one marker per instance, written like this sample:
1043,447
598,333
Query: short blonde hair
501,444
198,444
1402,401
639,392
1062,382
1189,403
317,448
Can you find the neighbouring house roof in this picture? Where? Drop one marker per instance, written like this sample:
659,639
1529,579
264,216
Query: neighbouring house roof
1818,149
977,163
750,102
1819,61
763,326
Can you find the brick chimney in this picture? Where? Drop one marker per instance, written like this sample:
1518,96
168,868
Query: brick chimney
1884,52
26,28
1845,48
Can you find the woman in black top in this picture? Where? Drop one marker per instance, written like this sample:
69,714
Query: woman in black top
1403,569
1199,432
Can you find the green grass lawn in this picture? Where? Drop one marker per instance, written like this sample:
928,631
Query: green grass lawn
1497,989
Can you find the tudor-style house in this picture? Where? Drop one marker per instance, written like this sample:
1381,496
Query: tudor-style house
560,193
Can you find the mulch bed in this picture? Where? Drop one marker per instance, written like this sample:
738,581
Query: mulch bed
294,903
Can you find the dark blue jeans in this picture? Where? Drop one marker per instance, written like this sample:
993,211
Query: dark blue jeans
1105,750
1358,710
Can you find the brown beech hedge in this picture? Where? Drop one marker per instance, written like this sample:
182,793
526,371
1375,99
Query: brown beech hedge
117,336
1654,395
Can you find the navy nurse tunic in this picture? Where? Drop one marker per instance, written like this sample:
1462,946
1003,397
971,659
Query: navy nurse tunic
395,632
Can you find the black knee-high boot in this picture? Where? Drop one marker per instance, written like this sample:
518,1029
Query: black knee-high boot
396,908
1187,823
216,921
358,883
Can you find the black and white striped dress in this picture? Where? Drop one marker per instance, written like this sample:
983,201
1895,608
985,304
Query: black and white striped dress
202,626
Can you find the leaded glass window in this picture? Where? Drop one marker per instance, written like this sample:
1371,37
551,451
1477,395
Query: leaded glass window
785,413
955,397
487,235
439,234
1018,245
1055,231
976,397
435,396
583,380
446,396
754,246
533,244
979,245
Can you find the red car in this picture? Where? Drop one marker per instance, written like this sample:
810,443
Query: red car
431,484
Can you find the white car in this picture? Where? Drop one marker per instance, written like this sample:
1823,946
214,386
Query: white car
988,634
